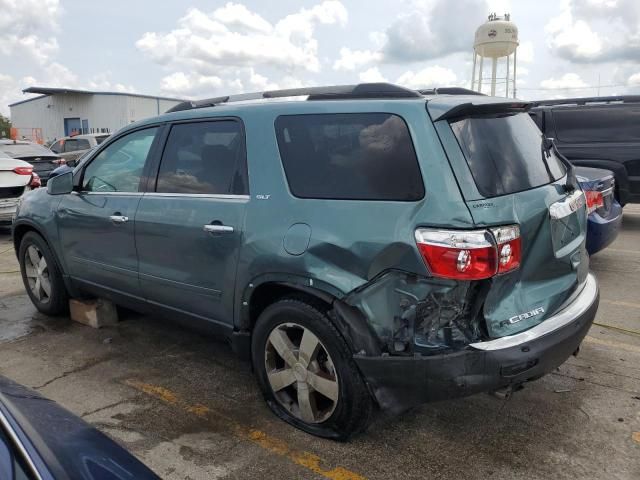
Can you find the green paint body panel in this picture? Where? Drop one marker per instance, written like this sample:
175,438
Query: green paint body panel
164,259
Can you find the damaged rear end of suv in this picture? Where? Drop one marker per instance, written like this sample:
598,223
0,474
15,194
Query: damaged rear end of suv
505,300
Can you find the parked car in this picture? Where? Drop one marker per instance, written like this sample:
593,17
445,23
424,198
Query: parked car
598,132
16,178
605,213
40,440
73,147
68,167
370,246
42,159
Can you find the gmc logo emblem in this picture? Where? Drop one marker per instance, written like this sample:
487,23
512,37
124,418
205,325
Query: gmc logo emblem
524,316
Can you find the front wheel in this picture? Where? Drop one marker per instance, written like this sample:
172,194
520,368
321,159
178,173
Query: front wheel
306,373
41,276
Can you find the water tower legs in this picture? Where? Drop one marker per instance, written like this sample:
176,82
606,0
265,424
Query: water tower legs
473,72
494,66
480,75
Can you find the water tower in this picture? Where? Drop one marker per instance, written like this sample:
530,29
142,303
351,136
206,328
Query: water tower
497,38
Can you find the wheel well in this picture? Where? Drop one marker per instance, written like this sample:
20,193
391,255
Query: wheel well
18,234
268,293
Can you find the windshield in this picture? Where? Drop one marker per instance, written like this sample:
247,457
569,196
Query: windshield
17,150
505,153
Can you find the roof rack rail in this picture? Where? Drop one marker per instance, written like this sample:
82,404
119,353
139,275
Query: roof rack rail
336,92
586,100
449,91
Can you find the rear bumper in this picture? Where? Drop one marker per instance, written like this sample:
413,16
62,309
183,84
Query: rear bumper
601,231
8,210
402,382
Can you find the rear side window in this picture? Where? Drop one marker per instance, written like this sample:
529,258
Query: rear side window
204,158
504,154
610,123
351,156
101,139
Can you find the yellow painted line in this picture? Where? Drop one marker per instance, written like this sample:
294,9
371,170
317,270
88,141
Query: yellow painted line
269,443
610,343
621,303
636,437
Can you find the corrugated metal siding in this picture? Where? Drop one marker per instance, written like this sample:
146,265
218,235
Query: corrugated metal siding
102,111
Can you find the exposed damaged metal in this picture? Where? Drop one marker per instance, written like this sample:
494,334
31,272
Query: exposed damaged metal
412,314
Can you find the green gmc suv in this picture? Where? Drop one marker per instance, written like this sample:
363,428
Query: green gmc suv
368,247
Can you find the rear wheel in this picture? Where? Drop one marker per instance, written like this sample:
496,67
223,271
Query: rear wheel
306,373
41,276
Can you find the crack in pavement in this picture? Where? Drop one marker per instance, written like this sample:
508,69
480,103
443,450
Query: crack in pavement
81,368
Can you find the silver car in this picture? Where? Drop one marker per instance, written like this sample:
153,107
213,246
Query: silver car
71,148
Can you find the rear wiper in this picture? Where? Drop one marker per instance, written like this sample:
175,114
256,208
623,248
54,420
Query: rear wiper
547,146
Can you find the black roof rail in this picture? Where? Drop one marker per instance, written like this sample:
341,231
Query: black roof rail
449,91
336,92
586,100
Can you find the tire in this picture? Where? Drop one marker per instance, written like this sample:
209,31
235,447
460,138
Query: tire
331,367
33,249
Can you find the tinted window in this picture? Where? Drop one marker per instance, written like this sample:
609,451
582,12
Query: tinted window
101,139
118,167
70,146
365,156
610,123
504,154
204,158
57,147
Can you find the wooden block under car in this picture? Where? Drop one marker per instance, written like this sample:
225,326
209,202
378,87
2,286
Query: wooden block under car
95,313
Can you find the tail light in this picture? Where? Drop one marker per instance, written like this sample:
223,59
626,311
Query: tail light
594,200
59,161
470,254
23,170
35,181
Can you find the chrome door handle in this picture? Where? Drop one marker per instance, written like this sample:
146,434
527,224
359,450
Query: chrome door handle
118,218
218,229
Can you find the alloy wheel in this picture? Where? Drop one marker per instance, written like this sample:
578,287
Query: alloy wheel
37,273
301,373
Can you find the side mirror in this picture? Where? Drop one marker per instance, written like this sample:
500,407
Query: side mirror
61,184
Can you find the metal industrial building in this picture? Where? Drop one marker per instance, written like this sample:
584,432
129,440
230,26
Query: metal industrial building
62,111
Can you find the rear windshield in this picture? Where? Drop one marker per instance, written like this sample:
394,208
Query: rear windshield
18,150
349,156
610,123
504,154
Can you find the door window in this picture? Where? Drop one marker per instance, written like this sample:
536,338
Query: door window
349,156
57,147
118,168
204,158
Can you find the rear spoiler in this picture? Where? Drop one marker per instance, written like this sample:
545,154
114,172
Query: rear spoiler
470,109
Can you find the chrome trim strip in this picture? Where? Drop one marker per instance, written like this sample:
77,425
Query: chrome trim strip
198,195
119,194
581,304
606,192
571,203
18,444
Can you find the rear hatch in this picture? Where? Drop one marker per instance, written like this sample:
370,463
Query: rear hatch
508,178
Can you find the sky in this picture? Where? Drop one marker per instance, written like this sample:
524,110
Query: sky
199,49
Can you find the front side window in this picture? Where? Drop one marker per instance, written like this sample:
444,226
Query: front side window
350,156
204,158
504,153
118,168
57,147
70,146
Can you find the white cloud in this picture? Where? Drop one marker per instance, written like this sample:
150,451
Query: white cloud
568,80
431,30
233,37
525,52
596,31
354,59
634,80
27,26
435,76
372,75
